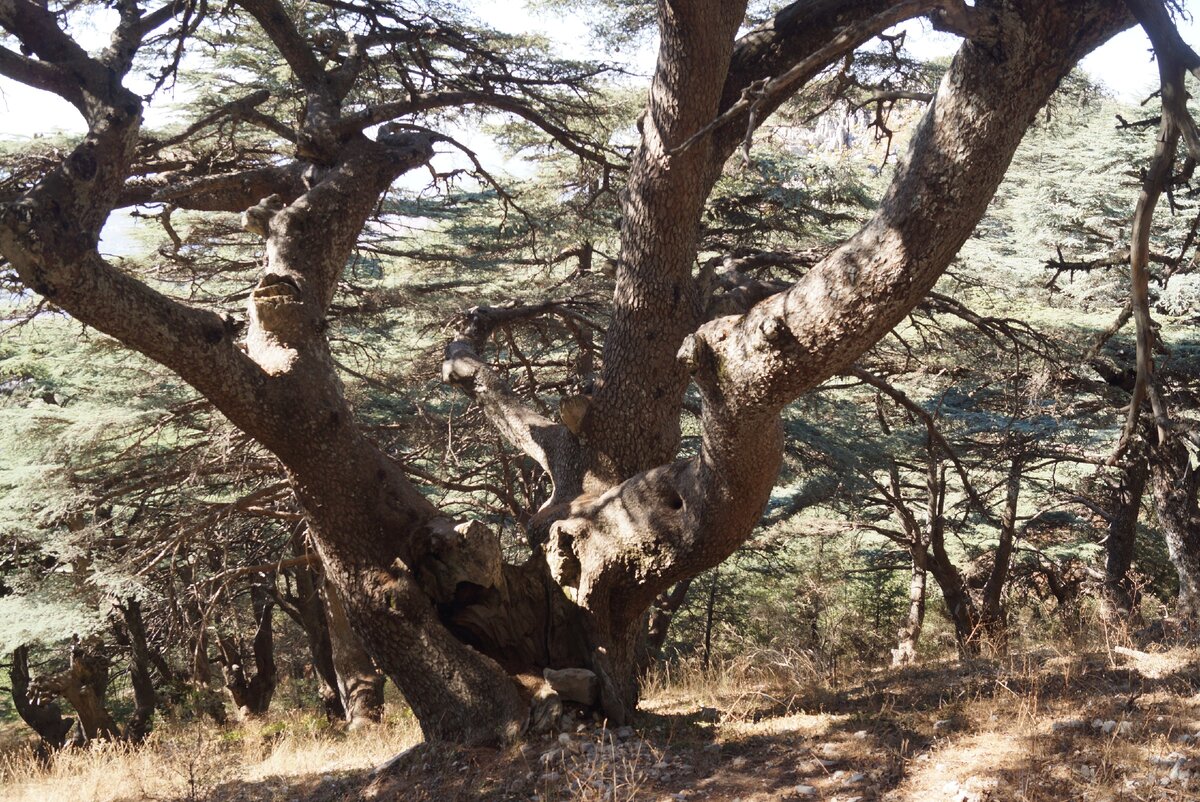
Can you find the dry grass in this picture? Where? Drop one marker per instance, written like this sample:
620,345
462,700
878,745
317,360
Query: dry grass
756,728
189,761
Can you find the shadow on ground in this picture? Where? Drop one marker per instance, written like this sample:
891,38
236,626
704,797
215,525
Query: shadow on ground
1102,727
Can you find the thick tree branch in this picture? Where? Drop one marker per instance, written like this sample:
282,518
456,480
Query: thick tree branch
382,112
230,192
40,75
550,444
794,340
39,33
761,93
275,23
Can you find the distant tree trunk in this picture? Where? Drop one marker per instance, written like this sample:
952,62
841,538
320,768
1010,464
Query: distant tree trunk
905,652
1174,484
252,694
960,607
993,617
919,540
1124,503
980,613
307,609
661,615
710,606
43,717
83,685
359,683
131,633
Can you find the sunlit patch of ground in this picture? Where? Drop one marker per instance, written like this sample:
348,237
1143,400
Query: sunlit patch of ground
1108,726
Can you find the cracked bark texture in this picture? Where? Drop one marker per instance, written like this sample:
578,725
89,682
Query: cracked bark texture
1174,485
430,598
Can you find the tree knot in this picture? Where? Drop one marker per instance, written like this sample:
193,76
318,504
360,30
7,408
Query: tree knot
257,219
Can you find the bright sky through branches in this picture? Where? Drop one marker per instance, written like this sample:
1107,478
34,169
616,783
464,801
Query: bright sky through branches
1124,65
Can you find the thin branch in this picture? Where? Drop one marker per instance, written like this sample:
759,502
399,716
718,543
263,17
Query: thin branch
769,91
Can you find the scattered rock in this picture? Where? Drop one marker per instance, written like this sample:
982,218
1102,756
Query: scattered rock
1068,724
574,684
1166,760
804,790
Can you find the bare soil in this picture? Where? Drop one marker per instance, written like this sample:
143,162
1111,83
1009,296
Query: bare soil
1118,726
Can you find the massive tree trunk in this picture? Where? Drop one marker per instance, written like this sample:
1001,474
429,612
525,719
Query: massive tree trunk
430,598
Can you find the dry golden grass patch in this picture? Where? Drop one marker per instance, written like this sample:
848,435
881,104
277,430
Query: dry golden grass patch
1111,725
803,725
191,761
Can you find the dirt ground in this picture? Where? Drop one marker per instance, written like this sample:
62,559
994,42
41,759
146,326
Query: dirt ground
1119,726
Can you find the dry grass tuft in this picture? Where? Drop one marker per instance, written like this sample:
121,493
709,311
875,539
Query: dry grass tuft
189,761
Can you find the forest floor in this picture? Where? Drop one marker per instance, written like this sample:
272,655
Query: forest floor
1120,725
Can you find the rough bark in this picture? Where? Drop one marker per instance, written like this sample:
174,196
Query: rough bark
1174,484
430,599
359,684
